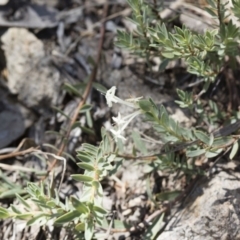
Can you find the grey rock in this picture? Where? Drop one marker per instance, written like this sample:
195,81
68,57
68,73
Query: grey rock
3,2
11,127
211,212
14,119
28,16
51,3
30,74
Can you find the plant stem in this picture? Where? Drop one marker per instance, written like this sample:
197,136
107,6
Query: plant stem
219,12
85,94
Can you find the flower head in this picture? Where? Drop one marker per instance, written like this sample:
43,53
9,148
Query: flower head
110,97
121,122
117,134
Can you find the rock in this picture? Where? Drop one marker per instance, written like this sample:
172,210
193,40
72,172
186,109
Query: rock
14,119
3,2
12,127
211,212
21,13
51,3
30,75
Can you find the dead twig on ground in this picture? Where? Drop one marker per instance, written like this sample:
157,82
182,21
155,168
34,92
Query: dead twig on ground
17,151
85,94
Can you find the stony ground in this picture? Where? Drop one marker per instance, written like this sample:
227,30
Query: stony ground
49,46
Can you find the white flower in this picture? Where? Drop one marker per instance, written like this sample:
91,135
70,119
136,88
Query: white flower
122,123
110,97
119,120
117,134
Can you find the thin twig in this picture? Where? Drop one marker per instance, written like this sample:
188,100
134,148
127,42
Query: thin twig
19,153
85,94
14,152
126,12
19,168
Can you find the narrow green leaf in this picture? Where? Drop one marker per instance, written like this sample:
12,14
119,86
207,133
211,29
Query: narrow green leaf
23,201
71,89
51,203
212,3
164,30
80,227
202,137
86,195
212,153
84,157
86,166
82,178
68,217
211,139
167,196
118,224
195,153
145,105
181,94
165,119
79,206
89,119
89,228
88,130
40,220
211,12
99,209
99,87
85,108
139,143
154,228
96,184
234,150
12,192
67,155
221,141
15,210
168,55
163,65
61,112
55,133
4,213
24,216
89,148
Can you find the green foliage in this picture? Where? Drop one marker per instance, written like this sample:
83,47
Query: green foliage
44,207
203,53
186,99
170,130
236,8
195,142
